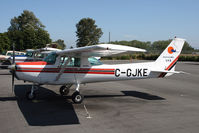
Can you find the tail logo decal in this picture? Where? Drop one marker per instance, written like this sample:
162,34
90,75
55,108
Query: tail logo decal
171,50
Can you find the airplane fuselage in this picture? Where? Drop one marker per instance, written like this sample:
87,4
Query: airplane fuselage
43,73
79,66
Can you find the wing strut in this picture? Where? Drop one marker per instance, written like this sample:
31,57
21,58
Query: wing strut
62,69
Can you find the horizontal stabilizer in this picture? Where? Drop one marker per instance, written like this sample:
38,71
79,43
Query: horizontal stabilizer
166,71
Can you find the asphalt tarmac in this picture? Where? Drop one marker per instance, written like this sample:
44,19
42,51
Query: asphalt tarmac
169,105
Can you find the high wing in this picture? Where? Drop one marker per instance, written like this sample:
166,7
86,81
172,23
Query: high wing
99,50
43,49
49,49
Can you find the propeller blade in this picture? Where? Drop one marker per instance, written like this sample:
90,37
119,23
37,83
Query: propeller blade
13,57
13,70
13,81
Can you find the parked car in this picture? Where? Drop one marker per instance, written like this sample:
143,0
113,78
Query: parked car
31,55
10,53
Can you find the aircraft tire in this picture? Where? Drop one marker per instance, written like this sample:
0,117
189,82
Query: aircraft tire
29,96
64,90
77,97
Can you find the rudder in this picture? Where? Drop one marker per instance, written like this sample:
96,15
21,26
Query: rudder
169,57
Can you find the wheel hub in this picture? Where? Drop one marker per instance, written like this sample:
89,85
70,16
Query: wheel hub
78,98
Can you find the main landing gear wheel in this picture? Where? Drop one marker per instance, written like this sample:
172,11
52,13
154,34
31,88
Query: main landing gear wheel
30,96
77,97
64,90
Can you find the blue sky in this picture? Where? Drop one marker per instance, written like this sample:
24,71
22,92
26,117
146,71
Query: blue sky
145,20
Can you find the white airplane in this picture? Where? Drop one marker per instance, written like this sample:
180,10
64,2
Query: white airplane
76,66
33,55
29,56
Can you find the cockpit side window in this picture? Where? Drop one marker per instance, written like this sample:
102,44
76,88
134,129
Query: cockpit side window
77,62
74,62
51,58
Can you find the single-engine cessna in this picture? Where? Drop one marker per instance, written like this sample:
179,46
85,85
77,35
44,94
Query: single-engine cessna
29,56
33,55
77,66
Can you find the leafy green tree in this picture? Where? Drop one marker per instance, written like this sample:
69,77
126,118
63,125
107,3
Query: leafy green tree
60,44
140,44
187,49
42,38
159,46
134,43
156,47
27,20
4,42
87,32
26,31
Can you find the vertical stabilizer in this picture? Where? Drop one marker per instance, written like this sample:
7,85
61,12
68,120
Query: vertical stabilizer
169,57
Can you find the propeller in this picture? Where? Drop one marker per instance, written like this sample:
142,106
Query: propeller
13,68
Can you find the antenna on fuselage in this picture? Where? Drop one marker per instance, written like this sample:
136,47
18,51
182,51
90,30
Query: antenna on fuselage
109,37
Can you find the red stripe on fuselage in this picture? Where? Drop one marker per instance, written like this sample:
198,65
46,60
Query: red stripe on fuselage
33,63
105,69
20,68
68,70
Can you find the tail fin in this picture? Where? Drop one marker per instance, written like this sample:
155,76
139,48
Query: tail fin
169,57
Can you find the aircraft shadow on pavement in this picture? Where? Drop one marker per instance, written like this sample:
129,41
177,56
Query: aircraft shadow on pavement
5,74
137,94
48,109
142,95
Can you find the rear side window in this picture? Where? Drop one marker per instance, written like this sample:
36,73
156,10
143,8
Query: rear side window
93,61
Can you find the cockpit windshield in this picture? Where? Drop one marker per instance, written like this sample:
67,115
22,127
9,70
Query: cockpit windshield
51,58
29,53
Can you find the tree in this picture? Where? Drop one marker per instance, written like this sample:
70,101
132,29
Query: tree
87,32
187,49
60,44
26,31
4,42
27,20
159,46
134,43
140,44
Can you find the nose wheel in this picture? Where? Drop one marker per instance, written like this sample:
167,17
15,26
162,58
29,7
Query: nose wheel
31,95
